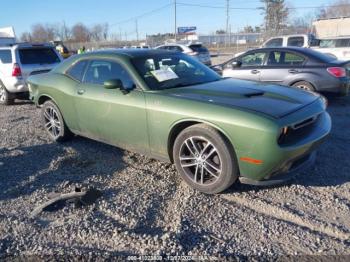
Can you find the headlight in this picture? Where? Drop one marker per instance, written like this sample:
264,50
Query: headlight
282,134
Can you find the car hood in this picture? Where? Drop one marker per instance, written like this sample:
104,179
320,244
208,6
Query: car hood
272,100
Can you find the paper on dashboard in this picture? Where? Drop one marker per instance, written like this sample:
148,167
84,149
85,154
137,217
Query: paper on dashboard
164,74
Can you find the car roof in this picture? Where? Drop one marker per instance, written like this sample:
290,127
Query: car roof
285,36
284,48
309,52
130,52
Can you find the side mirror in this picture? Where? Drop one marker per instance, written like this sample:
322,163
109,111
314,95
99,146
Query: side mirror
113,84
217,68
236,64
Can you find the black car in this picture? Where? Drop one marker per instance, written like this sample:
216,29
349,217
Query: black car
292,66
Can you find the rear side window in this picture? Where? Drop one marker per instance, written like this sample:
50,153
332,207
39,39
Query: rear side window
175,48
77,71
199,48
275,42
38,56
284,59
342,42
5,56
327,43
296,41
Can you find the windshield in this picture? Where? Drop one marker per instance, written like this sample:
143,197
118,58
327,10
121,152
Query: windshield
173,70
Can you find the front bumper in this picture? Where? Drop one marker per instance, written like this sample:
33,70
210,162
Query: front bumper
296,166
279,158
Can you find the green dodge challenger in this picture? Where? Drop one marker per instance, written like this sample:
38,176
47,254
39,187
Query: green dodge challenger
171,107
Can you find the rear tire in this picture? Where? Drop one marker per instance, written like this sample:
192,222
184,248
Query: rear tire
204,159
54,123
5,96
304,85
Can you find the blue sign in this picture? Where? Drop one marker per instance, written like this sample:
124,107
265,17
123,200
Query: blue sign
187,30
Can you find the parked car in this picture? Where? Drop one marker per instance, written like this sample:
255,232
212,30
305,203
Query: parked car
290,66
18,62
61,48
301,40
196,50
172,107
337,47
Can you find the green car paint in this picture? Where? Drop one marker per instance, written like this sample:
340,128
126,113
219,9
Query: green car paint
250,115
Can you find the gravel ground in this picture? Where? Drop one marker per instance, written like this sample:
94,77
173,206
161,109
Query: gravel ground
147,209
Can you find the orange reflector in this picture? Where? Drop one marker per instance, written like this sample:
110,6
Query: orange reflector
251,160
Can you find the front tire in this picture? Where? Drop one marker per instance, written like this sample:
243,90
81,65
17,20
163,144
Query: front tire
204,159
5,97
54,123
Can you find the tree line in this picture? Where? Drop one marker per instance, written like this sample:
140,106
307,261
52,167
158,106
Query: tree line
60,31
278,19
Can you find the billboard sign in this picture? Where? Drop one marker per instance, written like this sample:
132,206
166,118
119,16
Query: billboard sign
187,30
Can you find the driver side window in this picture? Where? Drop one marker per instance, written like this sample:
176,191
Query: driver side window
99,71
253,59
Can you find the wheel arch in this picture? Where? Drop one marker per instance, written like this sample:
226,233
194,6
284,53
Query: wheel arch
43,98
303,80
178,126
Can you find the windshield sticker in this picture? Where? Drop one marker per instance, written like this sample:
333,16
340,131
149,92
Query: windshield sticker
164,74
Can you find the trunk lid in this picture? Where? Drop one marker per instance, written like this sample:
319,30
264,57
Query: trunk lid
37,60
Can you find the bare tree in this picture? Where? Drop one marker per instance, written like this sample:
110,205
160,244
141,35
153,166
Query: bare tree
96,32
337,8
80,33
99,32
26,37
275,15
61,31
43,33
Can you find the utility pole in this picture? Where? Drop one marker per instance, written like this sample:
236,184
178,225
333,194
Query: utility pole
227,20
137,31
175,24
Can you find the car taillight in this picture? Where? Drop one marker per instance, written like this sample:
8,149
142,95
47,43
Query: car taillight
337,71
16,70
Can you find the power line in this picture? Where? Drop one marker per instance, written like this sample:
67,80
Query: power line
258,8
142,15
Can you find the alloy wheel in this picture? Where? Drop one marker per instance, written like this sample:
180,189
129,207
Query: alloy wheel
2,93
304,87
200,160
52,122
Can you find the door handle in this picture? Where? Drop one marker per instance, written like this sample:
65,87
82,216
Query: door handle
293,71
81,91
255,71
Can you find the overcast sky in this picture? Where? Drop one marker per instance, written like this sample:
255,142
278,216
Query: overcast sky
22,14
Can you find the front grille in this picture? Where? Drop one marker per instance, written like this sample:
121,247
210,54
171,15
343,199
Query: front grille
304,123
40,72
298,130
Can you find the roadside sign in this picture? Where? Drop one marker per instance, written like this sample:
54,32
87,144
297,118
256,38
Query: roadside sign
187,30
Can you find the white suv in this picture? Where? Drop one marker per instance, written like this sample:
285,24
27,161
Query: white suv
18,62
196,50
